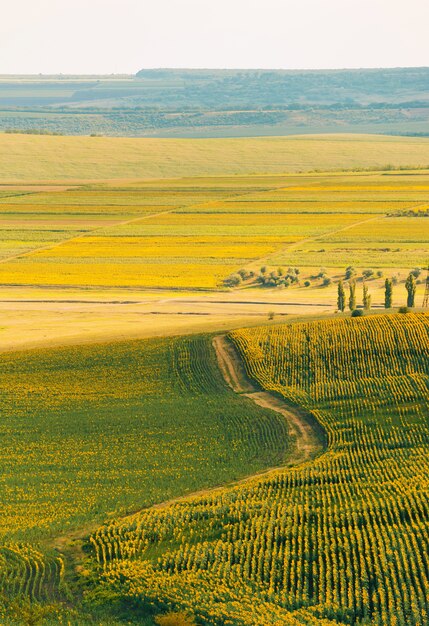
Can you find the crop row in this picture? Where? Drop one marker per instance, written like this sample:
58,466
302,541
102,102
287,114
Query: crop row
344,538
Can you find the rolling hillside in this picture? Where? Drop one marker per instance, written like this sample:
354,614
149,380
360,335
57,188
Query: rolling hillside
103,158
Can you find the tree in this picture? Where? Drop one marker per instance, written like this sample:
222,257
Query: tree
341,301
366,298
388,292
350,272
232,281
352,296
410,286
368,273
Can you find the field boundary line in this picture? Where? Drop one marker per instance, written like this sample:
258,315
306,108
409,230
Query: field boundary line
315,239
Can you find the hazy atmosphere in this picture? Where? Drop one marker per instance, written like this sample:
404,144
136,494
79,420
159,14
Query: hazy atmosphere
105,36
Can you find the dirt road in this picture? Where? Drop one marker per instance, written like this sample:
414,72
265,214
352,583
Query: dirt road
302,430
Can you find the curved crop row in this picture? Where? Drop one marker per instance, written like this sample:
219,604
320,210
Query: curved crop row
344,538
25,571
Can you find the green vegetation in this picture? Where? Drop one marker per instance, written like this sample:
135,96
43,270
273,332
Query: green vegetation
342,540
341,300
93,431
202,103
410,286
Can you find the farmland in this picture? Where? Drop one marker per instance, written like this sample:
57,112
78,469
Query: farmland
94,426
193,233
125,450
342,540
89,432
109,158
217,103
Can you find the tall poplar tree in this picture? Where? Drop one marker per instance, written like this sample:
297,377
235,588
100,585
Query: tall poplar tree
410,286
341,301
366,298
388,293
352,296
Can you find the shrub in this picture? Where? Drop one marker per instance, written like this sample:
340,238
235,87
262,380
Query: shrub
307,283
232,281
357,313
403,310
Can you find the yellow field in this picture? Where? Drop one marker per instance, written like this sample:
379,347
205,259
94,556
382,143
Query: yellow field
192,233
393,229
159,247
117,274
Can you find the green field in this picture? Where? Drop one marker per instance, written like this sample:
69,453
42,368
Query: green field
115,427
89,433
341,540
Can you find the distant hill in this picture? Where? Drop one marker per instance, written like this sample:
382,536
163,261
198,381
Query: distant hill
280,88
219,103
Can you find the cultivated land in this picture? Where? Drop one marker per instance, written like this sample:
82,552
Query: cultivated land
218,103
146,258
75,159
117,453
336,539
342,539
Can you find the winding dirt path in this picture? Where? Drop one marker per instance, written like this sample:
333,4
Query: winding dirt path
302,430
305,436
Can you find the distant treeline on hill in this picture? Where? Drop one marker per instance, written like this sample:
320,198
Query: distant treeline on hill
204,103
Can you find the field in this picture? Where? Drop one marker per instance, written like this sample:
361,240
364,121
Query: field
189,428
95,425
341,540
194,233
89,433
218,103
107,158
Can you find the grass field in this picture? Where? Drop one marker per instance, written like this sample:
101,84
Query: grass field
341,540
106,158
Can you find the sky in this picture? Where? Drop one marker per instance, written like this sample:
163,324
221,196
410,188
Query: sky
123,36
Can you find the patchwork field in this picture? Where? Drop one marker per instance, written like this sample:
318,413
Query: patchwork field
194,233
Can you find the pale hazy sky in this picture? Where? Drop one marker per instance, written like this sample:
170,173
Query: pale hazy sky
115,36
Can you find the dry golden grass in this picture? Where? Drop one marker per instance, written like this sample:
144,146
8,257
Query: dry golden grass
106,158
